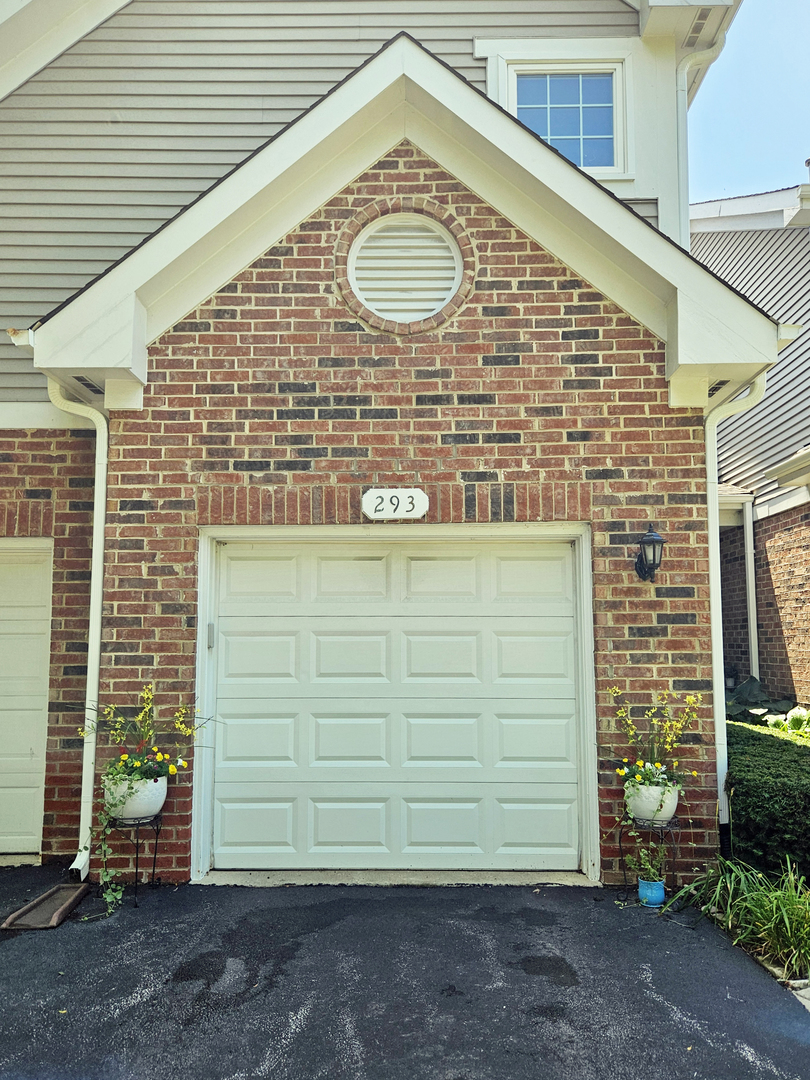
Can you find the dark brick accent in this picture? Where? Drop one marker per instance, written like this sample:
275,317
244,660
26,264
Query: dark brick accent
480,477
503,360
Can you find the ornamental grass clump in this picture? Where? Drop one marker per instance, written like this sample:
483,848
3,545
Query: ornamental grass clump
654,740
767,916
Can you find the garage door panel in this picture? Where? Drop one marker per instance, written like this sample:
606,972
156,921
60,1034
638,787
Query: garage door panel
309,578
538,653
502,741
345,741
268,738
351,655
262,655
354,576
334,825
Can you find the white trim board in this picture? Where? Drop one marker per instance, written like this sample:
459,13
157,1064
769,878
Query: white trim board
40,30
579,535
711,333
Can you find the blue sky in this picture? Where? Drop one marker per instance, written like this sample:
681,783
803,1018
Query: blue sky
749,126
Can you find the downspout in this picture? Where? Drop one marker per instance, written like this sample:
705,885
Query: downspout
751,588
80,867
729,408
707,56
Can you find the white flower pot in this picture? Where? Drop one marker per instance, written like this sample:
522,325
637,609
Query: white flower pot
652,803
145,799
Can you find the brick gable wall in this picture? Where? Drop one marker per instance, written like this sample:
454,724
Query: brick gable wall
539,400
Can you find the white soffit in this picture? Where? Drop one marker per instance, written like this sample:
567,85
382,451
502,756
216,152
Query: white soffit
710,331
38,31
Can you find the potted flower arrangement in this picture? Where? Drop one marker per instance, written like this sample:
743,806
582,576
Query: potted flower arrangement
652,784
134,783
649,862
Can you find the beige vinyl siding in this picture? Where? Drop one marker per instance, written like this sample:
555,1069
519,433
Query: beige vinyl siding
134,121
772,268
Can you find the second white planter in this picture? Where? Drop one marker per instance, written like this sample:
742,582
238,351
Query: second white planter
656,804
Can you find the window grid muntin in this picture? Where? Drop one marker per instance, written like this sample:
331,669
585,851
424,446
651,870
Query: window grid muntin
538,116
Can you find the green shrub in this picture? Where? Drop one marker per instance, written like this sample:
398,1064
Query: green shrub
769,790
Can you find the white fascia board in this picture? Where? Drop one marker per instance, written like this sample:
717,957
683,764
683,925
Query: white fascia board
112,341
776,502
41,30
405,93
794,472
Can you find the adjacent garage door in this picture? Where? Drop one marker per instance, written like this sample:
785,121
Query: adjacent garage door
397,705
25,634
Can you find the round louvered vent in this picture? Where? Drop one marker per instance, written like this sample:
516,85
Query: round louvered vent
405,267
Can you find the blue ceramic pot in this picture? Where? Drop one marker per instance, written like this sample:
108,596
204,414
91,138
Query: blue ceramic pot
651,893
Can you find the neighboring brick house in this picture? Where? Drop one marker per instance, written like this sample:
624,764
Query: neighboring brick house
405,290
761,245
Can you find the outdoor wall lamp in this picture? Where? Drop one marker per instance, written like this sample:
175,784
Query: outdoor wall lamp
648,560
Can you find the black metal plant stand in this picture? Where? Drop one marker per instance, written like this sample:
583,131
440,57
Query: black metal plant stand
125,825
667,832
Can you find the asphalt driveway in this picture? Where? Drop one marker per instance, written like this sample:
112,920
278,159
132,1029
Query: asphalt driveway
301,983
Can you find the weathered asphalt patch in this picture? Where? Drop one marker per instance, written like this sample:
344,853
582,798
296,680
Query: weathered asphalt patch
395,983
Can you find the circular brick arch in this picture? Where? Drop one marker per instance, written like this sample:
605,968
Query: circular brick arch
403,205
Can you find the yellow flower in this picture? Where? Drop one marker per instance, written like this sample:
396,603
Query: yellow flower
624,759
658,764
638,776
172,770
184,763
124,757
621,772
159,757
166,757
674,764
694,773
154,749
137,764
639,762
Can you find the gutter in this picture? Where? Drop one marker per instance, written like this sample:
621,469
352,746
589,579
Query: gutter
721,412
706,57
80,867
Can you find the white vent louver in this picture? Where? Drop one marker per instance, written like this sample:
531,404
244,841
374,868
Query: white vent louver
405,267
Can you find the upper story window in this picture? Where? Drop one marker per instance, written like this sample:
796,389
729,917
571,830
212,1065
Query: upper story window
573,112
576,95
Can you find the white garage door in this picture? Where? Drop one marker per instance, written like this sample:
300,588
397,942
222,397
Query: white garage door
25,634
397,705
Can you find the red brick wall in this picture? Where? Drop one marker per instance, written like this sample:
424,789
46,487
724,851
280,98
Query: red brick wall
539,400
46,489
735,609
782,547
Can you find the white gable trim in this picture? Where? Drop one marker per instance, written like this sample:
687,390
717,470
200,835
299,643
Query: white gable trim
40,30
710,331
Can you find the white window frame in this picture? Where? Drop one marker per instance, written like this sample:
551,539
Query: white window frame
508,58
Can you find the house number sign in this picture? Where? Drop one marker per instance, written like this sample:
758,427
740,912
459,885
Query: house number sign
382,504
